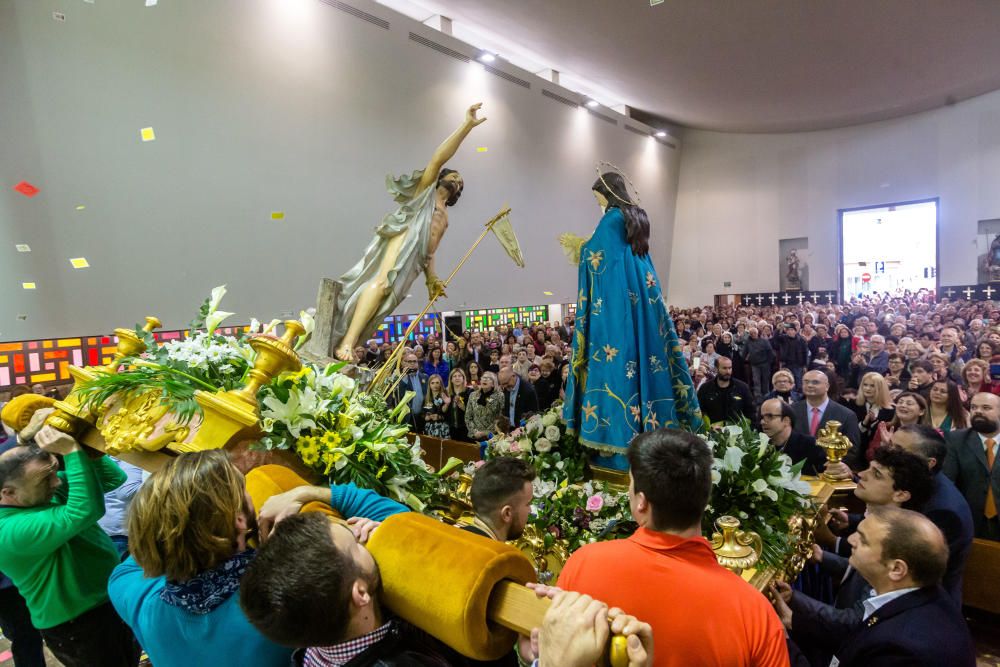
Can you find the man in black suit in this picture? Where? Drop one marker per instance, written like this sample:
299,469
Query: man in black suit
519,396
777,421
946,507
910,621
894,478
415,381
970,464
812,414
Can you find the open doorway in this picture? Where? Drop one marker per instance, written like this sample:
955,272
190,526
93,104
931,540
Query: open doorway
890,248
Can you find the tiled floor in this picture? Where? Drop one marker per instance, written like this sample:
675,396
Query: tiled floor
985,629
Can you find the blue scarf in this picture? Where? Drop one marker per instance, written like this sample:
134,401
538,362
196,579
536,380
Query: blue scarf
206,591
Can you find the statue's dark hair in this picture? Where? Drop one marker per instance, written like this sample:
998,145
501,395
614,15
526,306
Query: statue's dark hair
611,185
456,192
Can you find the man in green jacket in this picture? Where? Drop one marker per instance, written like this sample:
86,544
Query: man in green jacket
56,554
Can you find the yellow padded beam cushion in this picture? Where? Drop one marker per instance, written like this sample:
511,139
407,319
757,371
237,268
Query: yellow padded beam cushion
19,410
439,578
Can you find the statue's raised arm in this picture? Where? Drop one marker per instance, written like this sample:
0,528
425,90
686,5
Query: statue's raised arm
449,147
403,246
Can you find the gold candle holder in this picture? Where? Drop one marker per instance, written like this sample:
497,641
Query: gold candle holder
835,444
735,549
229,413
70,416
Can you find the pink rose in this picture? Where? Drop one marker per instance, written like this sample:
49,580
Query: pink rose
595,503
515,448
479,464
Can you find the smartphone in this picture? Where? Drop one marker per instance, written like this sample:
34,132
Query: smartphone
697,362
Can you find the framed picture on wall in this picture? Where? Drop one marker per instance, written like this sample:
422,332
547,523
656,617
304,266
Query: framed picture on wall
793,268
988,251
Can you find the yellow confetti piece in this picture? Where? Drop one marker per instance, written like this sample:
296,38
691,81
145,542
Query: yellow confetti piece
482,149
28,285
147,134
79,262
80,207
23,247
277,215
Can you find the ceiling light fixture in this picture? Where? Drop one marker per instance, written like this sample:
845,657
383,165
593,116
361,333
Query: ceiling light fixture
659,134
486,57
591,103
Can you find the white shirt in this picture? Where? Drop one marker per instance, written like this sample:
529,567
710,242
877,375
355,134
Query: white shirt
876,602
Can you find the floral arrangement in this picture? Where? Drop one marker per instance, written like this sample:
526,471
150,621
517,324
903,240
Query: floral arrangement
757,484
544,441
578,514
317,413
202,360
347,435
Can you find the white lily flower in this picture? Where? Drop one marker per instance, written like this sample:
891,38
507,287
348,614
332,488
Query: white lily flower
290,413
716,476
214,318
732,458
216,298
764,442
254,325
309,324
270,326
759,485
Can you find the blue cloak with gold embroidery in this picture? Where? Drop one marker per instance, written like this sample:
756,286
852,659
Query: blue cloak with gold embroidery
628,374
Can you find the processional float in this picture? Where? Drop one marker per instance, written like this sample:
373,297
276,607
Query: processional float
468,591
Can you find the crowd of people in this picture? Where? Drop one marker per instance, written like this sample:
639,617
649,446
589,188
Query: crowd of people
103,564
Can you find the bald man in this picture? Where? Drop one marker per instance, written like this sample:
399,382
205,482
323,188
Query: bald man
816,409
910,620
970,464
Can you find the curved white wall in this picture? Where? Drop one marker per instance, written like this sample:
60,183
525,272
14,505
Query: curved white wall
739,193
260,106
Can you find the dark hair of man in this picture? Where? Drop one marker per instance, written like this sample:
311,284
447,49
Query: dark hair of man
922,363
925,561
897,356
297,590
453,188
787,413
497,480
719,359
611,186
929,442
909,473
673,469
16,459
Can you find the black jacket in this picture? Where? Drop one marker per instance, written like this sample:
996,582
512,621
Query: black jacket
849,426
793,351
726,404
965,465
923,628
950,512
525,403
801,447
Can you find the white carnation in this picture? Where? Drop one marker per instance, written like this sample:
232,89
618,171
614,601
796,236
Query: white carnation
552,433
550,418
542,445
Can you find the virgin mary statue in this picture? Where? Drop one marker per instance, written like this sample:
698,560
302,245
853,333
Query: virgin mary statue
627,371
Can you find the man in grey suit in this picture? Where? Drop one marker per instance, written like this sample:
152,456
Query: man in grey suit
970,464
812,413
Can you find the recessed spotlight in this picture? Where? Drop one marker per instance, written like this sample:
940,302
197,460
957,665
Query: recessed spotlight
591,103
486,57
659,134
547,293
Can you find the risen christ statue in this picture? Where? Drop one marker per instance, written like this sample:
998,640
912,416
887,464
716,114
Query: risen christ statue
403,246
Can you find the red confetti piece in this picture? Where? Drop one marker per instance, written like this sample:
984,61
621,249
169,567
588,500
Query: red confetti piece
26,189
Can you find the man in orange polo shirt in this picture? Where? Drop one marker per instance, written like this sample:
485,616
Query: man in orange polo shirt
666,572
